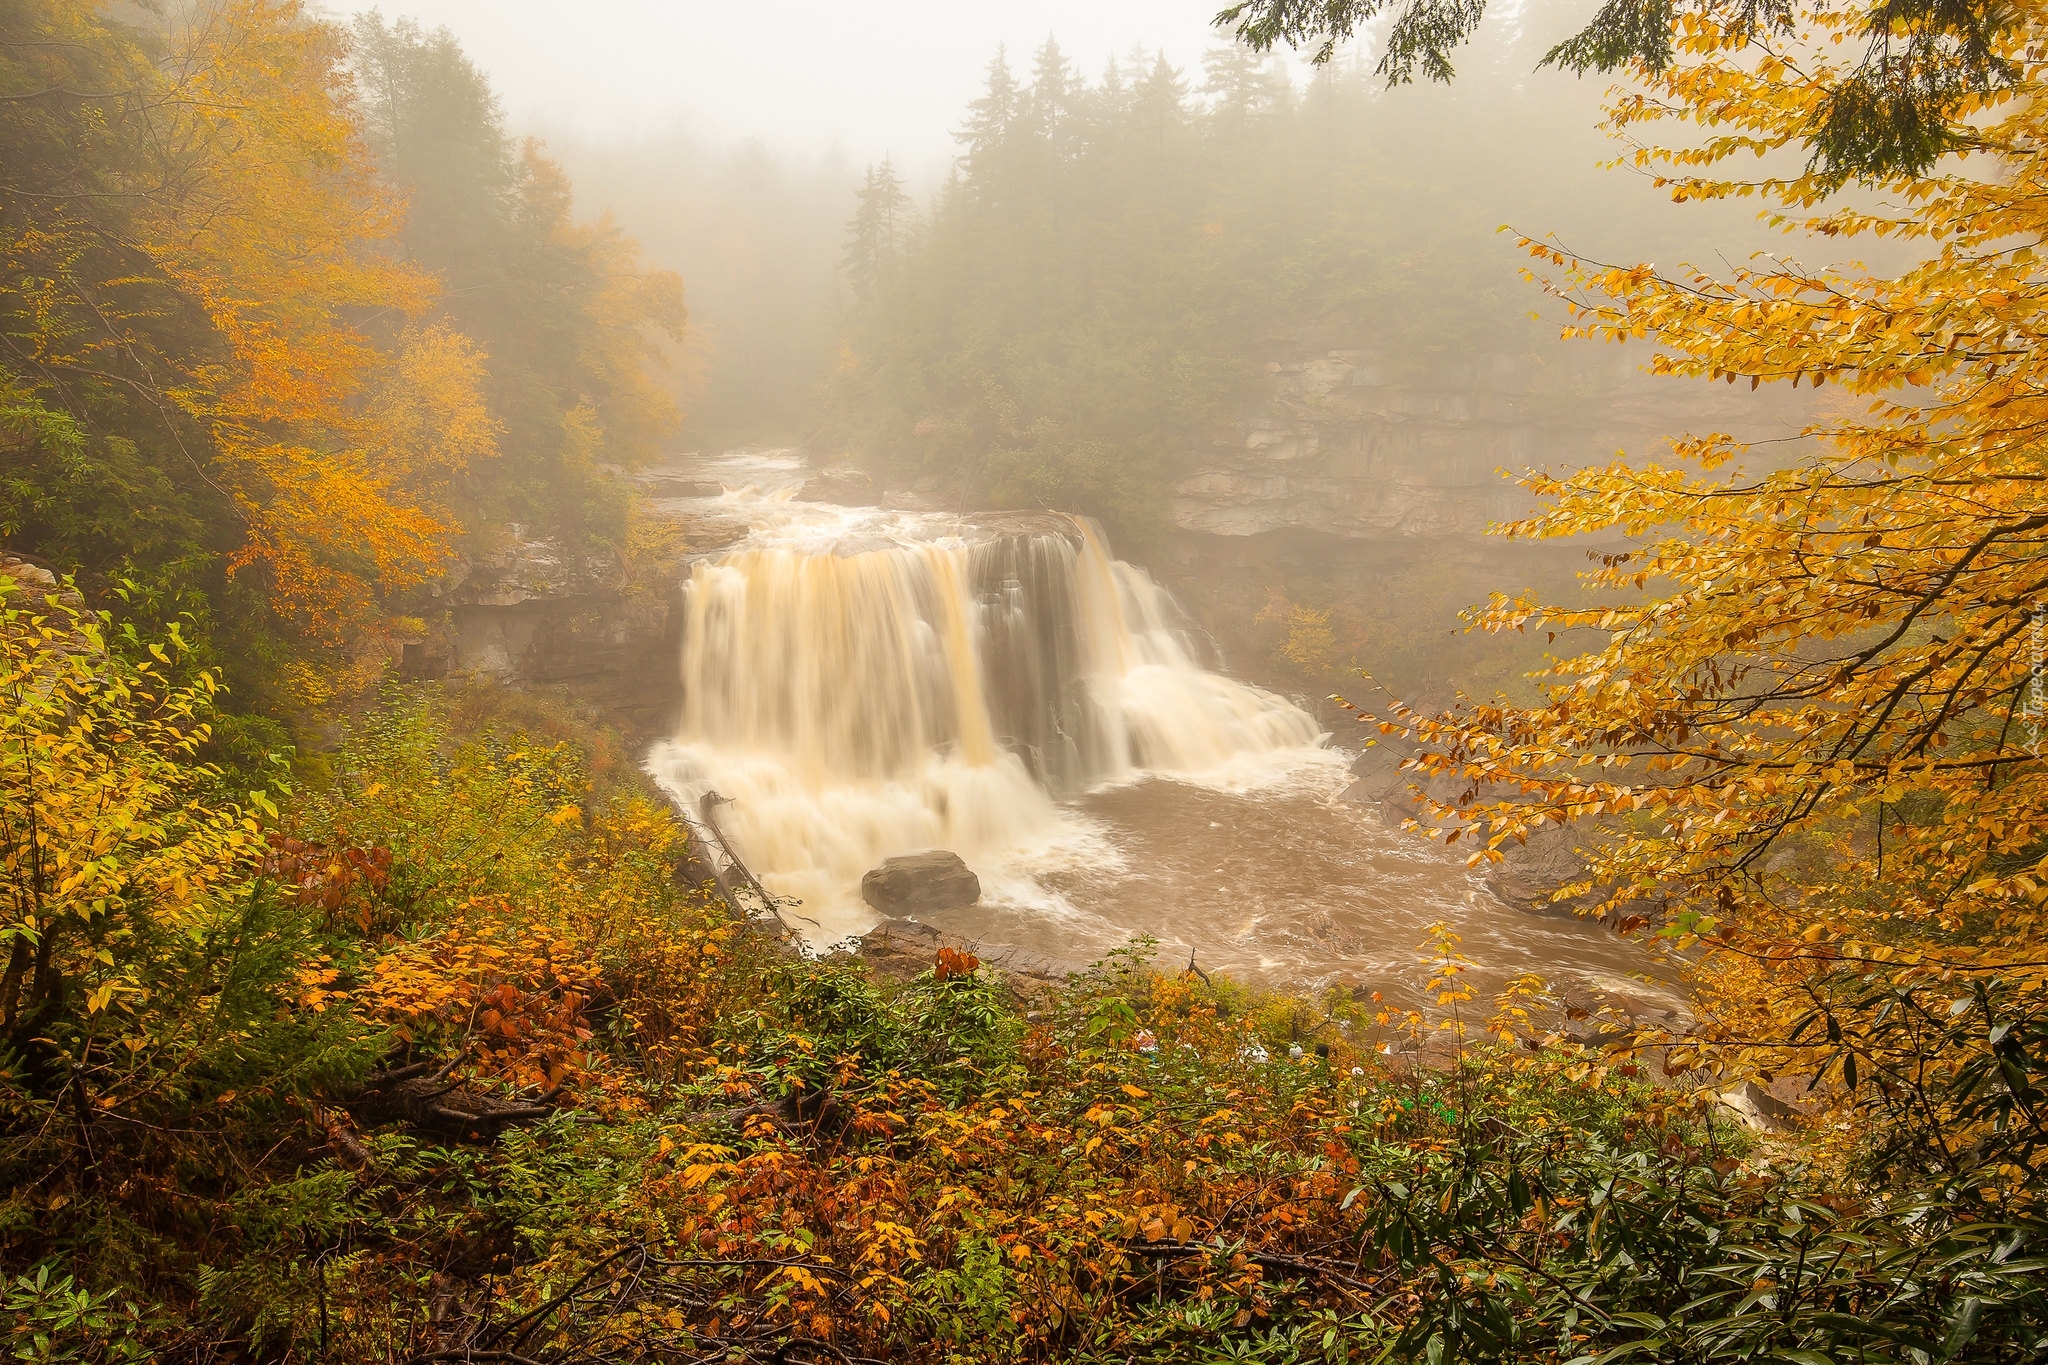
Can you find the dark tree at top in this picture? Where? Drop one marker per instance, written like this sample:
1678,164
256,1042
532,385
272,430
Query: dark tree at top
1897,111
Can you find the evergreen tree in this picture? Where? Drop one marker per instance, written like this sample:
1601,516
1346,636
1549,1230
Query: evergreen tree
1240,83
875,236
992,118
1094,297
566,314
1049,103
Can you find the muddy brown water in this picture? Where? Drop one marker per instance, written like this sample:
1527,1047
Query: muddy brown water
867,681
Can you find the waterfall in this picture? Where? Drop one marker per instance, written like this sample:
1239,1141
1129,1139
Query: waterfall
929,687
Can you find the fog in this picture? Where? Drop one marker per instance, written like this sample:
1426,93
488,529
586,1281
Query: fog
1266,321
873,78
732,146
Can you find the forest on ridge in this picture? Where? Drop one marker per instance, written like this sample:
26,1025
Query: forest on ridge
1099,286
353,1013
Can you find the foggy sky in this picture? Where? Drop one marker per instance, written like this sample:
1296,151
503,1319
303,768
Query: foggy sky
866,76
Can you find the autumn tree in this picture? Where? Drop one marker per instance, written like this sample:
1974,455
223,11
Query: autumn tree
202,327
570,320
107,844
1907,99
1801,727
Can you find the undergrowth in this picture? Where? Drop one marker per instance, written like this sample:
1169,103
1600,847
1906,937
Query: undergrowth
725,1150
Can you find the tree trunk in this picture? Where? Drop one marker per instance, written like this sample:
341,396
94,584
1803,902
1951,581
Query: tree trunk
10,984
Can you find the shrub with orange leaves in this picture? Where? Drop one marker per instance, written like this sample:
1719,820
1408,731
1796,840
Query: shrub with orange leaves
779,1156
508,993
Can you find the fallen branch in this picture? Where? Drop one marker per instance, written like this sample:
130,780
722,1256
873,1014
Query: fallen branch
421,1096
1309,1269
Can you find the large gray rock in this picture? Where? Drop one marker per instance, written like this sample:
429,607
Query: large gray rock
842,484
920,883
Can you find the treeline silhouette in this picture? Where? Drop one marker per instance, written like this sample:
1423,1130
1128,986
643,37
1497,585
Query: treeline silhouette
1091,297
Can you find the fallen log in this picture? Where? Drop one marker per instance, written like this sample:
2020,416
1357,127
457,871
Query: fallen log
421,1096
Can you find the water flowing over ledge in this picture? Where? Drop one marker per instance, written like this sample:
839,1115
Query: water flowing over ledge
862,683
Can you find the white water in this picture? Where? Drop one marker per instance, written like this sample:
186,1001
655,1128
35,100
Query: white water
860,683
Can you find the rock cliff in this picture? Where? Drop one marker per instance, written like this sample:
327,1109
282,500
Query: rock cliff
1356,443
531,612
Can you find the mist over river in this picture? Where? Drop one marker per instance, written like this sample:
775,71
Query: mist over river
861,682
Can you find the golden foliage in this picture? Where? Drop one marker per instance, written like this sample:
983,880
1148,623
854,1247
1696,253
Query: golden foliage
1809,709
276,237
104,836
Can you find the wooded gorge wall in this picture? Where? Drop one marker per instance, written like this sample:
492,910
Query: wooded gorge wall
1216,309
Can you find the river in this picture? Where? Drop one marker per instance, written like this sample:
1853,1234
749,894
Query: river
861,682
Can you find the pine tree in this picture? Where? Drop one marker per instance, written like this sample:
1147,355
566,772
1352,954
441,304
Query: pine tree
1049,103
1240,83
875,234
991,120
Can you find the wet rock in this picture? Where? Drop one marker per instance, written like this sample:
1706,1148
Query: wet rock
1376,774
920,883
707,533
904,949
1759,1108
841,484
1528,873
667,486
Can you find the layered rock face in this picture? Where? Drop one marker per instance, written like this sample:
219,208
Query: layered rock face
1353,443
533,613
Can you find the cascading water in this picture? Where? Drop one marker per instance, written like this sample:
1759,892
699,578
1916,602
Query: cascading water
862,687
862,682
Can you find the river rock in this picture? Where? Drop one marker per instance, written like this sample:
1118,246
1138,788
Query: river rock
920,883
671,486
1529,872
1757,1107
841,484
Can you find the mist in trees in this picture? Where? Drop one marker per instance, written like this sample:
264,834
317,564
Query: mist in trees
570,317
1089,299
756,232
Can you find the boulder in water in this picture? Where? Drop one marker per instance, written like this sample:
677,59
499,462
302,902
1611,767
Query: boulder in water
917,883
841,484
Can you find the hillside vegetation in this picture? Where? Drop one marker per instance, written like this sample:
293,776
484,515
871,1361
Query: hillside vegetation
288,322
1086,308
430,1047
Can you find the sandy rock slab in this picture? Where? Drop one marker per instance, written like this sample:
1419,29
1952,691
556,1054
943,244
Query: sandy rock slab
904,949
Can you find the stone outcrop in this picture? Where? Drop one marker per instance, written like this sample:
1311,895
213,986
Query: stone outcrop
903,949
31,577
1353,443
842,484
1529,873
533,613
663,486
920,883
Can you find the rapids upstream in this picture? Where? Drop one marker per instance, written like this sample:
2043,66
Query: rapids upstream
860,682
